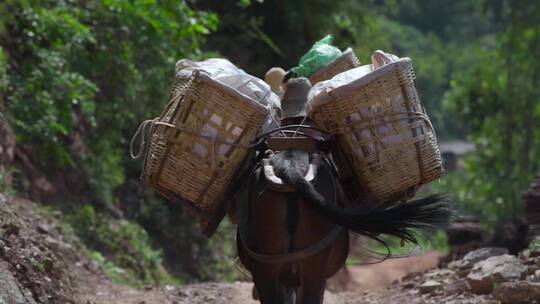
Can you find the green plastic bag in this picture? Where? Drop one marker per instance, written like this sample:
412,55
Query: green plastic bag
320,54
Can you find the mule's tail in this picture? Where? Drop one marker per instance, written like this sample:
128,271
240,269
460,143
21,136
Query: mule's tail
394,218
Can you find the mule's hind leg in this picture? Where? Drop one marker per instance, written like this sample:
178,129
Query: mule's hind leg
312,280
290,295
311,292
267,284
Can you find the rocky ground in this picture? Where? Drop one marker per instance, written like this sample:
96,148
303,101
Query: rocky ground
41,263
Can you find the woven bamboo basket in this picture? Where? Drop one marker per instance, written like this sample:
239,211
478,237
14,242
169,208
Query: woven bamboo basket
344,62
383,131
199,142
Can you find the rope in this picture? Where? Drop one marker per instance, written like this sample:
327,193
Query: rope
370,122
140,132
208,137
301,124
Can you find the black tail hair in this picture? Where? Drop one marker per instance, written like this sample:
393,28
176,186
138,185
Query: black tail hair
370,219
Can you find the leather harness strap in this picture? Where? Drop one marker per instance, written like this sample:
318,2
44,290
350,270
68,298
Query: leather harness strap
296,255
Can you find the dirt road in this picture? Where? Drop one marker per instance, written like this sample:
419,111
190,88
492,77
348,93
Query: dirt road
39,264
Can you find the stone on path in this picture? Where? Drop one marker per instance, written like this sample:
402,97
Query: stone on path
517,292
429,286
466,264
497,269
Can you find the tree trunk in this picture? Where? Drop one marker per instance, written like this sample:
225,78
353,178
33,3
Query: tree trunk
7,147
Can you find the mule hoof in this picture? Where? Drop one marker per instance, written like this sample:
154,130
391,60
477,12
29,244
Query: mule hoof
255,294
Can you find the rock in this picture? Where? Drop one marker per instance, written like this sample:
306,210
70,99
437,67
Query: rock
480,284
411,276
57,245
531,269
438,273
169,287
10,290
210,298
11,229
495,269
429,286
463,266
536,276
148,287
458,286
43,228
517,292
409,285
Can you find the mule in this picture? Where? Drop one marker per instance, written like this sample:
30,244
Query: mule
295,218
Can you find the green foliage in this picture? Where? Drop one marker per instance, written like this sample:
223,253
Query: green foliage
116,274
497,96
105,168
534,245
3,67
46,89
122,247
72,60
189,255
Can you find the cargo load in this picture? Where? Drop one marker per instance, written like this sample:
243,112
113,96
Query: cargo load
382,128
323,61
344,62
197,145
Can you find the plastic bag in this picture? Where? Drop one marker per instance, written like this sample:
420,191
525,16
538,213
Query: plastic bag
378,59
340,79
225,72
320,54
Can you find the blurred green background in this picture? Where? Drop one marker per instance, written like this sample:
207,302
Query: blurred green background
77,77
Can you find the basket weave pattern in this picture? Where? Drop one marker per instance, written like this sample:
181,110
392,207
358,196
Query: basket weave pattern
189,155
344,62
385,133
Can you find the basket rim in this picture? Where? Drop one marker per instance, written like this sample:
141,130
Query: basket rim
202,76
332,94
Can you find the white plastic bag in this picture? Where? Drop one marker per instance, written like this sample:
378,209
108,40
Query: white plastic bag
225,72
378,59
340,79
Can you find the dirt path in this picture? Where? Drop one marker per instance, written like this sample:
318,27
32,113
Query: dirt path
366,284
208,293
39,264
380,276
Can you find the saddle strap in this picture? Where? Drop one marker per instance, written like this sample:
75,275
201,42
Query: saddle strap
295,255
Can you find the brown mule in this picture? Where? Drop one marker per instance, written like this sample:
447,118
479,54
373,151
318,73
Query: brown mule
301,246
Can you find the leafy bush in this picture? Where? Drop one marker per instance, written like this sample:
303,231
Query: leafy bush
122,247
83,74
